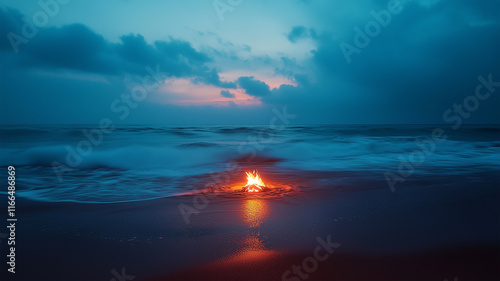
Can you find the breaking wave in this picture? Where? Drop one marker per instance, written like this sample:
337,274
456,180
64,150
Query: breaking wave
142,163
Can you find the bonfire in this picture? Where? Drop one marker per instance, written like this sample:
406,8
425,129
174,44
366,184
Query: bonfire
254,183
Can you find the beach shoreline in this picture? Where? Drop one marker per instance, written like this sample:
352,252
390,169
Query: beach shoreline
433,232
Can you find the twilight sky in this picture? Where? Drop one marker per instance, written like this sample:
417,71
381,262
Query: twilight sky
233,61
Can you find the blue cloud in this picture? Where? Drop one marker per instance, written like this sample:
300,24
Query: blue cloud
76,47
254,87
227,94
301,32
211,77
297,32
425,60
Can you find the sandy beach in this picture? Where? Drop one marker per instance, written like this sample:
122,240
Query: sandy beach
382,235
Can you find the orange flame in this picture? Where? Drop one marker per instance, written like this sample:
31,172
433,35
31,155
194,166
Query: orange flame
254,183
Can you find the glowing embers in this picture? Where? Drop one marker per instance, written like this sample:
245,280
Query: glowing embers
254,183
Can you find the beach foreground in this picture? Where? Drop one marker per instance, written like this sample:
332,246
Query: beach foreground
431,229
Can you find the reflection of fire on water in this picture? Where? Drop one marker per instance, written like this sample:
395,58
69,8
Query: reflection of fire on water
253,243
252,252
251,249
254,212
254,183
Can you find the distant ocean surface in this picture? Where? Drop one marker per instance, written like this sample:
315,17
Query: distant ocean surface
134,163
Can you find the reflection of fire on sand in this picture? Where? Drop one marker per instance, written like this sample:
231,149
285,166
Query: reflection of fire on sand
251,251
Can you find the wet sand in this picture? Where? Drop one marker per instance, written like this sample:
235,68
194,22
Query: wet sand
478,262
429,229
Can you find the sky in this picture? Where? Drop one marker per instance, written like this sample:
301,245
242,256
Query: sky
239,61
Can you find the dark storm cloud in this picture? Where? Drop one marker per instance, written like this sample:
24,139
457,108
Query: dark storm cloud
9,21
424,61
70,47
213,78
76,47
253,86
227,94
301,79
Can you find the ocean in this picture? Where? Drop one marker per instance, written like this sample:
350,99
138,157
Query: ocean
62,163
